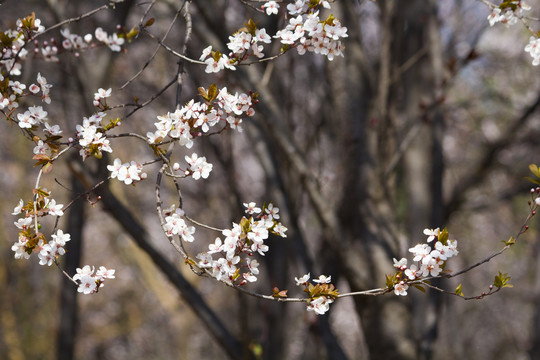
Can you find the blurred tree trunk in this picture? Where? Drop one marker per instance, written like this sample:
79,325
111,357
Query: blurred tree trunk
67,330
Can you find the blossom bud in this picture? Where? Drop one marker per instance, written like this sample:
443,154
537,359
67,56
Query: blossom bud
176,166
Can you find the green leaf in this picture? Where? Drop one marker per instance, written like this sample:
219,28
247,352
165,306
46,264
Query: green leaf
502,281
419,287
203,93
458,291
533,180
245,225
212,92
390,281
510,241
443,236
251,26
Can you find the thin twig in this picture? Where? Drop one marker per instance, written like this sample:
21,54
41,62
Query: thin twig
149,61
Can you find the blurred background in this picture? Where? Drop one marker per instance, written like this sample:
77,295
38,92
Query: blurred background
429,120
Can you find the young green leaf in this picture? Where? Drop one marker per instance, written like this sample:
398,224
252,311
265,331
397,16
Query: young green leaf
458,291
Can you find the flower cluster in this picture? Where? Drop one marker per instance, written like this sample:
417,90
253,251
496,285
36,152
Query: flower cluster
30,240
175,225
89,282
91,135
533,48
114,42
242,44
15,90
12,50
271,7
305,30
198,167
31,117
508,12
244,238
75,43
129,173
320,296
196,118
429,261
100,98
50,251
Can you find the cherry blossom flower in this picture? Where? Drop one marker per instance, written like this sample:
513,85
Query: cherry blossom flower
26,121
271,7
216,247
61,238
432,233
401,264
102,93
302,280
20,248
104,273
323,279
272,211
53,130
87,284
252,208
198,166
401,288
320,305
17,210
128,172
55,209
205,260
280,229
46,257
412,272
115,167
533,48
